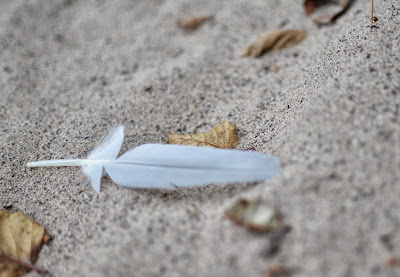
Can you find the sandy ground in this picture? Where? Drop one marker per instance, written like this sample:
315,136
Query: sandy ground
71,69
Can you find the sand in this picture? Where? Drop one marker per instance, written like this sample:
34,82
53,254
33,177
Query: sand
71,69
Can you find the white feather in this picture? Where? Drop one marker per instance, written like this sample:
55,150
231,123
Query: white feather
107,150
167,166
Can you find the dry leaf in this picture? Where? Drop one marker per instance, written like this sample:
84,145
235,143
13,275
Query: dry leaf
255,215
274,40
326,11
194,22
278,270
20,239
311,5
224,135
392,261
276,68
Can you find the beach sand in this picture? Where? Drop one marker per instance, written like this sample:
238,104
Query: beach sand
71,69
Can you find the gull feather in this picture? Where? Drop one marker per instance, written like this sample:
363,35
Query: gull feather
167,166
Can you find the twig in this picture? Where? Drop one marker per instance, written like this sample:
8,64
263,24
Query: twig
372,13
23,264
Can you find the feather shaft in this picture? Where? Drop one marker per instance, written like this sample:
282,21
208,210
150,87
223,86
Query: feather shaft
82,162
62,162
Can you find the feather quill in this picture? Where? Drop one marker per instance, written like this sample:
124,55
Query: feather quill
167,166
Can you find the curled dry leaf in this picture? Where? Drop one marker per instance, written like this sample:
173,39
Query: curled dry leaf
20,239
326,11
255,215
224,135
274,40
311,5
194,22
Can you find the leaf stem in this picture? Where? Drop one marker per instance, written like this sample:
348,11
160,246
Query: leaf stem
22,263
200,142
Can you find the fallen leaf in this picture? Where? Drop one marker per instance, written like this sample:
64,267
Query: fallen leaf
326,11
20,239
392,262
276,68
194,22
255,215
274,40
224,135
311,5
278,270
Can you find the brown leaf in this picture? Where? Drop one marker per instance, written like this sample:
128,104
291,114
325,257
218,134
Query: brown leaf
392,261
194,22
278,270
255,215
46,238
224,135
311,5
20,239
326,11
276,68
274,40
